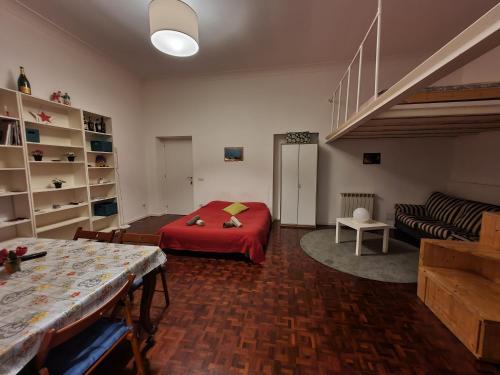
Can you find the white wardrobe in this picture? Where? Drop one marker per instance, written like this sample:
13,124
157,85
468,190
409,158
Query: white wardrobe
299,171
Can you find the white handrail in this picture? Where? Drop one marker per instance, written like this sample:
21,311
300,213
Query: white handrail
336,109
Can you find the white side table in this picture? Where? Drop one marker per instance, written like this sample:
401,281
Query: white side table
360,228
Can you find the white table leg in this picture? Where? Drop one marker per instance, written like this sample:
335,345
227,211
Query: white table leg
359,240
385,246
337,232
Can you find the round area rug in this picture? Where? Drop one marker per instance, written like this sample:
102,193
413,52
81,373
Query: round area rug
399,265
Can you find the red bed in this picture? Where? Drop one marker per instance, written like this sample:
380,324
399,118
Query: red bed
250,239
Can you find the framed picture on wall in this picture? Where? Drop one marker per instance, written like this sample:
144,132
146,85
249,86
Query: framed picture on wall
233,153
371,158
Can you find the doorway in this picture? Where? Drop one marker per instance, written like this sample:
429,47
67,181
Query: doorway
176,181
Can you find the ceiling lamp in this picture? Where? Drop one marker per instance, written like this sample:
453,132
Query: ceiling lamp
173,27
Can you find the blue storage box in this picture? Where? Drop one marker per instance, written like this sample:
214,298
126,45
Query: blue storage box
103,146
107,146
105,209
32,135
96,146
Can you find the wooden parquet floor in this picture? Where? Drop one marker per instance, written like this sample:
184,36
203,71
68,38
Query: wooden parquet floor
291,316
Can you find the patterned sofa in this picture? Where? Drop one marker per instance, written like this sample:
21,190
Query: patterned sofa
442,217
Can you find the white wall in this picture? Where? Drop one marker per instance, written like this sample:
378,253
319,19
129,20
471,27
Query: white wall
54,60
248,109
474,173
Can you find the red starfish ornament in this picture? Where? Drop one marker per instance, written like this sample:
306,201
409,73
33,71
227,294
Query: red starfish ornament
45,117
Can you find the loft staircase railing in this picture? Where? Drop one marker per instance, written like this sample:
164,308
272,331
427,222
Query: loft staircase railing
338,93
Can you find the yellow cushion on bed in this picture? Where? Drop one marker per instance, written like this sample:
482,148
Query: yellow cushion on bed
235,208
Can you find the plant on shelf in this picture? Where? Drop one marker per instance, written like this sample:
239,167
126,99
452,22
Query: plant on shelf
37,155
58,183
71,156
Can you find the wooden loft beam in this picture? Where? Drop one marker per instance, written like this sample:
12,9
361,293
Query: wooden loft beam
480,37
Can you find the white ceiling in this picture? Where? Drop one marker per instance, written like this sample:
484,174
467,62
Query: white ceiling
237,35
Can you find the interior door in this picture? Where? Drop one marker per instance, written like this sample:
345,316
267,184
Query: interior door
178,175
289,183
308,169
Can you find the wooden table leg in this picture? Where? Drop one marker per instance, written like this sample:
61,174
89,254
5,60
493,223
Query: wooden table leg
148,288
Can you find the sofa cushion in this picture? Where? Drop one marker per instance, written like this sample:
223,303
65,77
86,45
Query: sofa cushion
469,217
411,220
437,229
443,207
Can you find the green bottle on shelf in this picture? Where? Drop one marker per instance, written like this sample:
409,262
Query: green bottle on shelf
23,85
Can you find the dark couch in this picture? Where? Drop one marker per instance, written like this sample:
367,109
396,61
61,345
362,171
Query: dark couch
442,217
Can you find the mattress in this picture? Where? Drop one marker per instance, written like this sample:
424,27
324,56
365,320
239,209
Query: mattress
250,239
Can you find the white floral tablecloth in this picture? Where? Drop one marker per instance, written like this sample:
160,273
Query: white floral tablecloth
74,278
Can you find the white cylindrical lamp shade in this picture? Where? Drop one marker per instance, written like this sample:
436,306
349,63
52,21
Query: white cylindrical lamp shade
173,27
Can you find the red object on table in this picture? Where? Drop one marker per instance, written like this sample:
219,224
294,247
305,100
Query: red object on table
249,239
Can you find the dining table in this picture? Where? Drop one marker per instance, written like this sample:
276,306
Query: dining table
73,279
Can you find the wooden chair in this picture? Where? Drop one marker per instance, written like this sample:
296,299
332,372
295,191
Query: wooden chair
95,236
146,239
81,346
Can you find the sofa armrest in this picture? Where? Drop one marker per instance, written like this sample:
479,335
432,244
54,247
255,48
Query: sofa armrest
411,209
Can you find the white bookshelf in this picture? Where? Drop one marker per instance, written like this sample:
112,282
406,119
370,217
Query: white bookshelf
15,202
102,179
26,189
57,212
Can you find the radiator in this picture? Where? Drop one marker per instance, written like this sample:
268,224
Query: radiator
351,201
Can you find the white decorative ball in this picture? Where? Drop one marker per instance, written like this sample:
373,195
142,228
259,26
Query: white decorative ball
361,215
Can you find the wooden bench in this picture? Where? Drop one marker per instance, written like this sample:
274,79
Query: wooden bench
460,283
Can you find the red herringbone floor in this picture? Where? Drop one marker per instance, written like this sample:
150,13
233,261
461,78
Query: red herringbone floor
292,315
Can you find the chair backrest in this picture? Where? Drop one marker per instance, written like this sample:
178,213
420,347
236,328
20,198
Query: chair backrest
490,230
57,337
140,239
95,236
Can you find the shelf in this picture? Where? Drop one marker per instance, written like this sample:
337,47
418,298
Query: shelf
53,145
62,208
101,167
56,162
12,193
52,126
99,152
61,224
13,223
103,184
98,218
54,189
98,133
20,147
45,102
102,199
12,169
8,118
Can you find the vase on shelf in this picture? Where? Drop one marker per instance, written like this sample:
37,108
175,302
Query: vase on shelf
58,185
71,158
38,157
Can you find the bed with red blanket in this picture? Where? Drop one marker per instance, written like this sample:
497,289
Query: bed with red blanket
250,239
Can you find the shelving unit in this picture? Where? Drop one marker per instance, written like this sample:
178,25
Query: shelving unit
102,179
54,214
26,189
15,202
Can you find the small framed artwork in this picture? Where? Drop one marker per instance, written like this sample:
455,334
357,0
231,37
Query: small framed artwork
233,153
371,158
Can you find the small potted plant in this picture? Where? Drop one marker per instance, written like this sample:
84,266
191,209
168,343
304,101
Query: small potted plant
71,156
58,183
37,155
